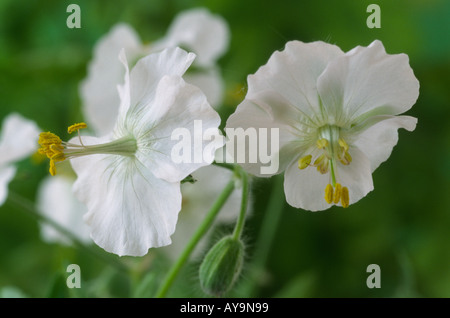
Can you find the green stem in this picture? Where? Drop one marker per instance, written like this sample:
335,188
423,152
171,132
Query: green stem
29,207
204,227
228,166
266,234
244,202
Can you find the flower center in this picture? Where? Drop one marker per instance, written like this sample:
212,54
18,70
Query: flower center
330,148
57,150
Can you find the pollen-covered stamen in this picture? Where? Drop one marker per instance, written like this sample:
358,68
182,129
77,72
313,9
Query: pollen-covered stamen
345,198
322,164
345,158
339,193
329,193
76,127
343,155
58,157
50,144
343,144
57,150
304,162
52,168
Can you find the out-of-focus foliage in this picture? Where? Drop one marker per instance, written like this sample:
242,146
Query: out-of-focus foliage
403,225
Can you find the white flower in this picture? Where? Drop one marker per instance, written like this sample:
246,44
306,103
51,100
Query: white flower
336,115
127,179
199,31
18,140
196,30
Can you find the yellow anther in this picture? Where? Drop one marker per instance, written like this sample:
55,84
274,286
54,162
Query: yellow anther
345,199
304,162
58,157
322,143
322,164
337,193
46,139
76,127
50,144
323,168
345,159
56,148
343,144
52,168
329,193
319,160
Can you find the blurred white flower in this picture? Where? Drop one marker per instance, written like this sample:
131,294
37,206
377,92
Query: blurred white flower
197,200
127,179
336,113
196,30
18,140
56,201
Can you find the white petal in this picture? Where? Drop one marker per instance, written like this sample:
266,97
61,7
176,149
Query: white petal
366,80
253,117
7,173
99,90
57,202
177,106
18,138
129,210
378,141
199,31
305,188
293,73
357,176
149,71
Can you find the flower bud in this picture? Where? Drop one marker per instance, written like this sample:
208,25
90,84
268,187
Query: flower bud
221,266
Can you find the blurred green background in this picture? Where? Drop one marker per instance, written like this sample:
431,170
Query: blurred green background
403,225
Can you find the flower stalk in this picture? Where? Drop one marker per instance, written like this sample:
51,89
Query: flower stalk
202,229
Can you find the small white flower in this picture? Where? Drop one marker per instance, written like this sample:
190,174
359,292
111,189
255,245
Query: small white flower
337,117
18,140
196,30
127,179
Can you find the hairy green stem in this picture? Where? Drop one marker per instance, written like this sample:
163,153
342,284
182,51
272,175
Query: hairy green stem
244,203
203,228
266,234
